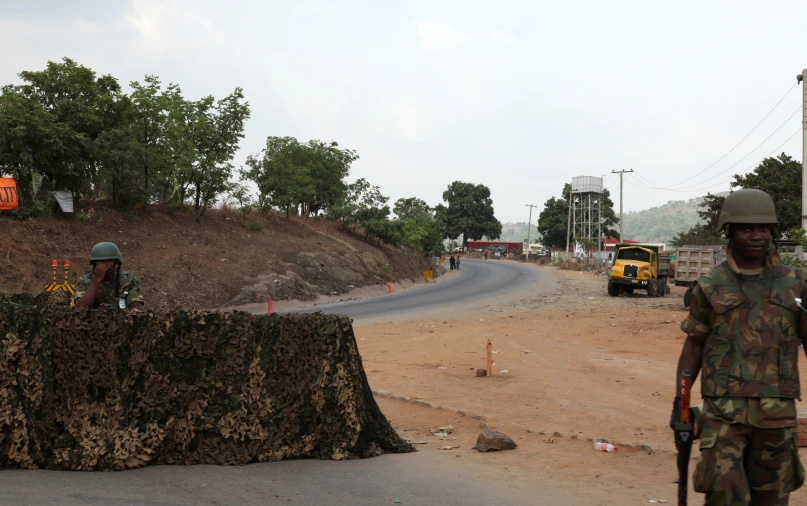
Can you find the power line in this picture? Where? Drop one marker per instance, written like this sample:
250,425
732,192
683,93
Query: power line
656,187
736,145
721,182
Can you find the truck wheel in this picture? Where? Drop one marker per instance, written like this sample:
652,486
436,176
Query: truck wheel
652,288
662,291
613,290
688,297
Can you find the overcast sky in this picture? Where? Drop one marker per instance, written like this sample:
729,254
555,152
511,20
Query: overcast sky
519,96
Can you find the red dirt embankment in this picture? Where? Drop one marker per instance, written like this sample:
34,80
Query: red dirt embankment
210,263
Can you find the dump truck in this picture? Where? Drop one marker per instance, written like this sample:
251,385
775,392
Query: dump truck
638,267
693,262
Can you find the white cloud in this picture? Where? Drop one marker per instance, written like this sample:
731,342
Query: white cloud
502,36
435,35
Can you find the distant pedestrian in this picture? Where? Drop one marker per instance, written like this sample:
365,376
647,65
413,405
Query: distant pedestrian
452,261
486,254
458,262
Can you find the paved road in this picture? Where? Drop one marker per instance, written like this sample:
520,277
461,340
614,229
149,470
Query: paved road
421,478
478,280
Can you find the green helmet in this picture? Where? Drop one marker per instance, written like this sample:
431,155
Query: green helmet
105,251
747,206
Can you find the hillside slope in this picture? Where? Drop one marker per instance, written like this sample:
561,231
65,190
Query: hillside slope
662,223
212,263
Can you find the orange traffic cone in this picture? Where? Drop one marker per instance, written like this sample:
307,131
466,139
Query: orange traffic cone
269,308
391,290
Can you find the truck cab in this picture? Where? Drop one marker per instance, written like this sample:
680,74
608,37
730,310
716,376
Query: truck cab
639,267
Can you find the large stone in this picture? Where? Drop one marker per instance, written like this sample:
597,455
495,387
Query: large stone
492,441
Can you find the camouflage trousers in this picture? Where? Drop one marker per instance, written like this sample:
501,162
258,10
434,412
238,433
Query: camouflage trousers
744,465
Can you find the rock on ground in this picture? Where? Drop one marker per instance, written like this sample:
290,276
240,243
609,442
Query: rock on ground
491,441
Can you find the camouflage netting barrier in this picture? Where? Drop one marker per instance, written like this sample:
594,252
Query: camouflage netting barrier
107,390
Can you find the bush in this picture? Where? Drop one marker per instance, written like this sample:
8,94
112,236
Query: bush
250,224
87,215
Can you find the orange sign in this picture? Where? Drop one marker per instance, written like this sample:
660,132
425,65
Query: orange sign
9,198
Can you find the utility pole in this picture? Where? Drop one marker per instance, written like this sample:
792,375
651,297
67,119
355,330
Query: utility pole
621,225
529,229
801,79
569,223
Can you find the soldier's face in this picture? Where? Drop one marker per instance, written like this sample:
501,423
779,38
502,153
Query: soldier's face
751,241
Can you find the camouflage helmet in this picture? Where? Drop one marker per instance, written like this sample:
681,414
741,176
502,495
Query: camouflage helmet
105,251
747,206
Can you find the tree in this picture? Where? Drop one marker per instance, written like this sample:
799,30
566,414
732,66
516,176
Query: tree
327,166
411,208
420,230
282,179
469,212
243,196
780,177
554,218
149,126
702,234
217,129
53,124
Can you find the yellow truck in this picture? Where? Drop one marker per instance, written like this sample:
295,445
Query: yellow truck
638,267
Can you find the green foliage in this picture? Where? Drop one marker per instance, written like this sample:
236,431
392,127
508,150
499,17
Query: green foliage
82,133
305,178
249,223
242,195
411,208
699,235
554,218
704,233
387,268
469,213
799,236
87,215
780,177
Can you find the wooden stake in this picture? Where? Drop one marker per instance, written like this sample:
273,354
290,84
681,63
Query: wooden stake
490,358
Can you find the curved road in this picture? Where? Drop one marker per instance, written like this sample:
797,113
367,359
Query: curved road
478,280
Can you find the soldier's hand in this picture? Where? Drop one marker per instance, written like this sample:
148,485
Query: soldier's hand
100,272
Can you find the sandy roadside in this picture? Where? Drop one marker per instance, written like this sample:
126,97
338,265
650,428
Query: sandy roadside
579,363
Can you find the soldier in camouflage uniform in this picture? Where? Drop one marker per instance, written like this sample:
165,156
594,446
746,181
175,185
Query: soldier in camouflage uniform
743,330
108,284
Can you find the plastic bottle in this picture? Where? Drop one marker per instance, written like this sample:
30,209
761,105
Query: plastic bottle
605,447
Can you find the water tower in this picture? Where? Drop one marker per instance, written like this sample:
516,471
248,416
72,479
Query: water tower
586,209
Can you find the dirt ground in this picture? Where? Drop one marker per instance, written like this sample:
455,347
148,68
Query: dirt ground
579,363
210,263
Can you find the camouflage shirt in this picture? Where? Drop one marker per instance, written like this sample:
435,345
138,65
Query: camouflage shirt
129,285
748,320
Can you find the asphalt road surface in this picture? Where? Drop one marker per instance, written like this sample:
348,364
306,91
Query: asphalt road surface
413,479
478,280
421,478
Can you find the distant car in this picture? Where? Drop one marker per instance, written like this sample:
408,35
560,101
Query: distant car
478,250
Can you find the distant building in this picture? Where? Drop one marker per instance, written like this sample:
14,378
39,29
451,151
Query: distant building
512,247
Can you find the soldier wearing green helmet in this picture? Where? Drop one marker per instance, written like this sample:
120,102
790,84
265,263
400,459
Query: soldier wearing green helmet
108,284
743,333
